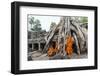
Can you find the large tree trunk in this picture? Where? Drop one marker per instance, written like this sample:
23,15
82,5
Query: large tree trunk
65,26
49,37
81,35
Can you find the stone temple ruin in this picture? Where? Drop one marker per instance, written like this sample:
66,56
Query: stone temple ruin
36,40
41,41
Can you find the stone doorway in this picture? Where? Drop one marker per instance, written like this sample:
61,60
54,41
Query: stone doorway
36,46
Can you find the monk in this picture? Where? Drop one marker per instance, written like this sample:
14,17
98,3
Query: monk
53,49
51,52
69,46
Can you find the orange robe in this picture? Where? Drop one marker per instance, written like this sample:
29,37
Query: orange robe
69,45
52,51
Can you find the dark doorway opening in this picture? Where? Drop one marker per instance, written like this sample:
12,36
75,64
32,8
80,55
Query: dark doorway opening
36,46
30,46
42,45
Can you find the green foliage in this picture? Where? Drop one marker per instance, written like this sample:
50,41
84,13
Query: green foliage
35,24
84,19
31,20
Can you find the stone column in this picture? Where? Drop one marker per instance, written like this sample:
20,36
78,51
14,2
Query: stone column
32,46
39,46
